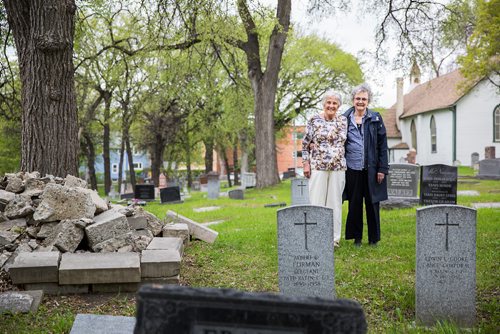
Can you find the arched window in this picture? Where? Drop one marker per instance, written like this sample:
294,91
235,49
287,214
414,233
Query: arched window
413,130
433,135
496,124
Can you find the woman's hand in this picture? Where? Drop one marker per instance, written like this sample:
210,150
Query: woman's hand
380,177
307,169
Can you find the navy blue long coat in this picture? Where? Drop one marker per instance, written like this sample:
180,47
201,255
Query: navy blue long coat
375,142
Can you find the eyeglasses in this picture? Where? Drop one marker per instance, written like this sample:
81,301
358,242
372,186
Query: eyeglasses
361,99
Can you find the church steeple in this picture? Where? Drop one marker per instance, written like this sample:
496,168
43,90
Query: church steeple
415,75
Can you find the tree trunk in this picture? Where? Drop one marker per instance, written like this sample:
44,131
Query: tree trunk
156,162
120,164
130,159
264,86
235,163
188,161
209,155
90,153
222,151
265,142
244,153
106,138
43,32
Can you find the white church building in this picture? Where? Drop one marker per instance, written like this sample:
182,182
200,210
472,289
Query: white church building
443,123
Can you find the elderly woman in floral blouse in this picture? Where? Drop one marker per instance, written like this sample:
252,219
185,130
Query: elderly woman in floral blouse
323,156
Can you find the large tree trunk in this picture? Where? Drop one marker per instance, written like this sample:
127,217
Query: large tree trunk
43,32
264,86
106,139
188,161
156,162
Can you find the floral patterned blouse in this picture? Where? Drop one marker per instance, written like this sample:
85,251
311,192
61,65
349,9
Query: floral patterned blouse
328,138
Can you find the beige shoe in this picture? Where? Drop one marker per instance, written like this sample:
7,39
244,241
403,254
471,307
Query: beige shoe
336,244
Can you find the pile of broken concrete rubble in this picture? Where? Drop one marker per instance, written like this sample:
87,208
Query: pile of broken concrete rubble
58,236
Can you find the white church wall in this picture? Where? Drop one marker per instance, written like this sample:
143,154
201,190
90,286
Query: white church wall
396,155
475,122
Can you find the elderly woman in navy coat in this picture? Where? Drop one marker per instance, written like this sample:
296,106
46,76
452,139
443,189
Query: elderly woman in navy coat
367,166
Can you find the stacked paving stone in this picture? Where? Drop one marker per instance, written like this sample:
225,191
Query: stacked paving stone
58,236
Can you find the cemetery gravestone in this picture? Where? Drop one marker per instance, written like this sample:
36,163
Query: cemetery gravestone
489,169
305,251
170,195
175,309
438,185
195,186
213,185
489,152
236,194
300,192
144,192
446,265
402,180
248,180
474,160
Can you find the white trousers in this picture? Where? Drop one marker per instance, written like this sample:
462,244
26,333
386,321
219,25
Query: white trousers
325,189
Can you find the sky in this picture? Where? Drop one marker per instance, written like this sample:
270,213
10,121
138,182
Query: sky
354,34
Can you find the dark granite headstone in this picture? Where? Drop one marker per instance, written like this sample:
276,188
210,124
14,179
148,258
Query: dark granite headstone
145,192
402,180
175,309
438,184
236,194
489,169
127,196
170,195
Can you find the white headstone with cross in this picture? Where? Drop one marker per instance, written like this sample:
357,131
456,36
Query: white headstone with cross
305,251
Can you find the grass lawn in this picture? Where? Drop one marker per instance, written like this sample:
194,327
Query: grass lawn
244,256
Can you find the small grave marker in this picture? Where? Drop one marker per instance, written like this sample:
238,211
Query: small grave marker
300,191
489,169
236,194
213,185
402,180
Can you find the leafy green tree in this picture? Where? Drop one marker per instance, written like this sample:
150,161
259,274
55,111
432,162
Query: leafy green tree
311,66
483,48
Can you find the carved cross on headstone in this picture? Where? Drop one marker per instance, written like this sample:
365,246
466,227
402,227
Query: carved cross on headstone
302,185
305,223
447,224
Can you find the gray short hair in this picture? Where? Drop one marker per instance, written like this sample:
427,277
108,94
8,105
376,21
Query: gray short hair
364,87
331,93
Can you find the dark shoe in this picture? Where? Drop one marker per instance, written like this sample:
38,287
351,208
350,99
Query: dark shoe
357,242
373,243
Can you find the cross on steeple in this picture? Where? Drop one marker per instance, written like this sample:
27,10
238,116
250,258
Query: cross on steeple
302,185
305,223
447,224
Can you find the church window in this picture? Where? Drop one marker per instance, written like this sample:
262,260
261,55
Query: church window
496,124
413,130
433,135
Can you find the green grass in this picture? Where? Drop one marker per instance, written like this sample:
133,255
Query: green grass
244,256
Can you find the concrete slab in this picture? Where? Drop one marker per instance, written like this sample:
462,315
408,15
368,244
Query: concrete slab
160,263
165,243
207,209
56,289
115,287
490,205
95,268
179,230
161,280
36,267
102,324
20,301
197,230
